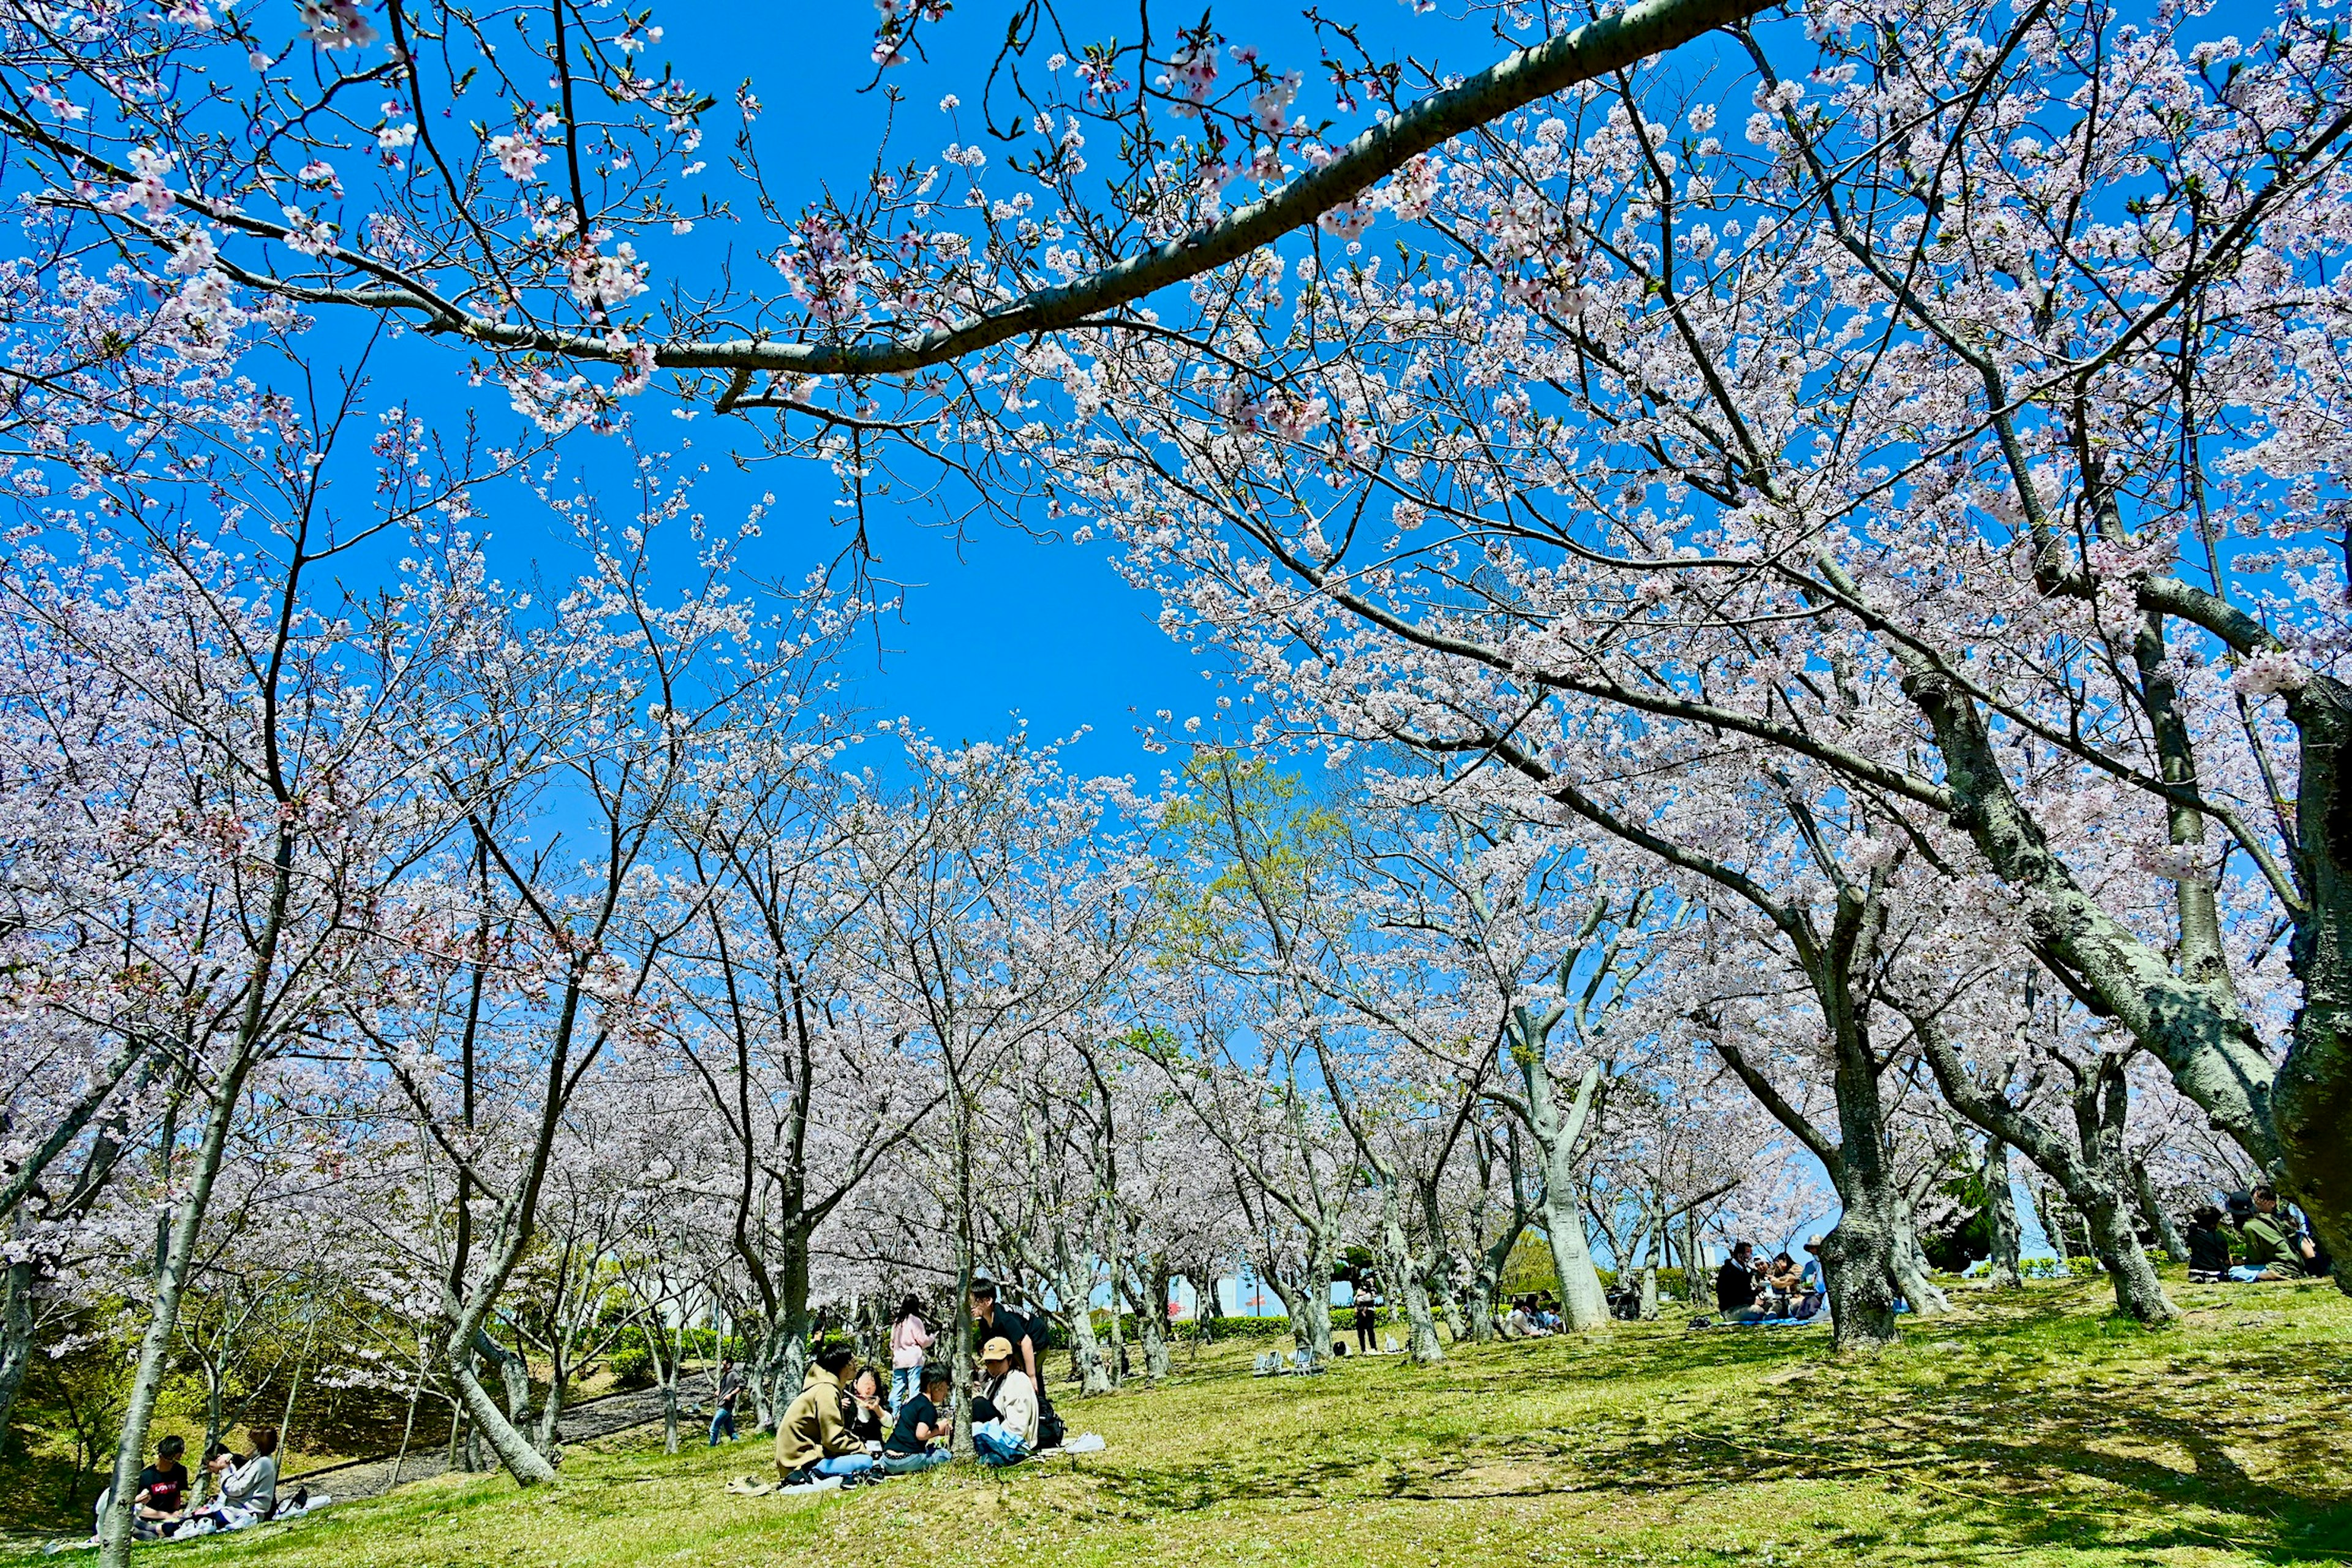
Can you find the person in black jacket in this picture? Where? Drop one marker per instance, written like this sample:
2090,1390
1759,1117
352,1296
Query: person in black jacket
2208,1248
1734,1287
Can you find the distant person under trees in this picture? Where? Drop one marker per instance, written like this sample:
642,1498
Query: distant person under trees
722,1410
2208,1246
2275,1246
909,1338
1368,1318
1734,1287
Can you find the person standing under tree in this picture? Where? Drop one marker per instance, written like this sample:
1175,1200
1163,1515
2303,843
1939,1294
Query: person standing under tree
909,1338
1368,1318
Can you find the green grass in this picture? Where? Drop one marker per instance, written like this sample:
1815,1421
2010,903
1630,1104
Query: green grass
2029,1429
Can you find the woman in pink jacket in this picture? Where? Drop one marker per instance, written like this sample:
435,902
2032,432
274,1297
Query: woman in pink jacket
908,1340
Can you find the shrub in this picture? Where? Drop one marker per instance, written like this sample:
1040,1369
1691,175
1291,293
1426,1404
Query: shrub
633,1367
1257,1328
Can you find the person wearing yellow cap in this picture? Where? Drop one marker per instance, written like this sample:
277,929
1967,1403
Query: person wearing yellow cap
811,1442
1010,1435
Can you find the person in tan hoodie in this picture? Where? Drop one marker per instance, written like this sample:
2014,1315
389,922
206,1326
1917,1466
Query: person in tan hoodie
1008,1433
811,1441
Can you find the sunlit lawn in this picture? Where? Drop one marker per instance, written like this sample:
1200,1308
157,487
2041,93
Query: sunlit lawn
2028,1430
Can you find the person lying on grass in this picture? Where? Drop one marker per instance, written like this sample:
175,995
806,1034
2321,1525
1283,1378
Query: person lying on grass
920,1439
811,1440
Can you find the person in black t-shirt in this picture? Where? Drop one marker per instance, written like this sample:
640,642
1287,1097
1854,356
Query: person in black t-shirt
161,1501
1734,1287
990,1319
920,1438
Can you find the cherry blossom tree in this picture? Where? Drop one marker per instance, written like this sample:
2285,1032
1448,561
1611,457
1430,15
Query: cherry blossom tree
513,195
1643,394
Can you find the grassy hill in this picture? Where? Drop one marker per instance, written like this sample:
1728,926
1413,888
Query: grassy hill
2029,1429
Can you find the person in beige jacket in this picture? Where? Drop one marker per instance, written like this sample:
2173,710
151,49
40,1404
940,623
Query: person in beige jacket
811,1440
1010,1400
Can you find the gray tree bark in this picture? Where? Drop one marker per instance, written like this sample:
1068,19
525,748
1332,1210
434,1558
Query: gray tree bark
2001,1209
1557,1131
2159,1219
2091,1170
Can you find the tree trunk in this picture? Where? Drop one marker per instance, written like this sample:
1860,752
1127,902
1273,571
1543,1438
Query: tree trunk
1926,1299
669,1411
960,1392
2092,1172
1649,1296
171,1281
17,1326
551,1414
1858,1267
2000,1208
408,1430
2159,1219
1152,1327
1583,1305
514,1376
524,1462
1078,1311
2138,1292
1322,1259
1421,1334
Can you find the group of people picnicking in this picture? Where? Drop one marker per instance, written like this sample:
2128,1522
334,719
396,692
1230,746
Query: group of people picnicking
1751,1290
847,1428
2272,1244
235,1491
1531,1317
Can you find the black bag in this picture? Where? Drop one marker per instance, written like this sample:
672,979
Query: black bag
1050,1429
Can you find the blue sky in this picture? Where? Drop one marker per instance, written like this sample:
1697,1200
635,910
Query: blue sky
993,623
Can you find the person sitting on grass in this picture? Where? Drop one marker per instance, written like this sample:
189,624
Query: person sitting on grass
1010,1435
1734,1287
1812,1291
920,1440
2277,1247
159,1504
244,1492
810,1440
2208,1246
862,1415
251,1485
